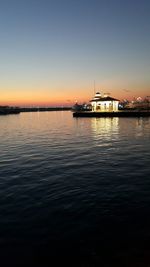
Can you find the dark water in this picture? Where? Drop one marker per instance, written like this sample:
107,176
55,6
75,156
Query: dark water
74,190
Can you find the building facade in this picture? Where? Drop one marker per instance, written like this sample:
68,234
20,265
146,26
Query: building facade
104,103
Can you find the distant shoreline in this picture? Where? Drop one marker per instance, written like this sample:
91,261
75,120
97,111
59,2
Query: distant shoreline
6,110
44,109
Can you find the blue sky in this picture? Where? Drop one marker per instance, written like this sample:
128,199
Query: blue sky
54,50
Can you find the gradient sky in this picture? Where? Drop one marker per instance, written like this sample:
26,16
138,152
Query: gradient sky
52,51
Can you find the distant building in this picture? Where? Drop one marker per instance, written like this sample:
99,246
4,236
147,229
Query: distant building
104,103
139,103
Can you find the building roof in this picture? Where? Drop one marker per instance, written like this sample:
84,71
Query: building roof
107,98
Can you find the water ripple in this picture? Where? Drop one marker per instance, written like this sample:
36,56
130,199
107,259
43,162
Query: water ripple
84,180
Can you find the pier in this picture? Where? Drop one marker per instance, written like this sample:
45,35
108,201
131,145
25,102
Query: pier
127,113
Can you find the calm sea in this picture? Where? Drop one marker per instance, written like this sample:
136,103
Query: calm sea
74,190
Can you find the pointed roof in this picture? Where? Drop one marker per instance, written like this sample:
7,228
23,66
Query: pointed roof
107,98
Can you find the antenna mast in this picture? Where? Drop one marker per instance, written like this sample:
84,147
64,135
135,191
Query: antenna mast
94,87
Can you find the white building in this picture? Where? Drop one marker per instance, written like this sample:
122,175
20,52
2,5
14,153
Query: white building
104,103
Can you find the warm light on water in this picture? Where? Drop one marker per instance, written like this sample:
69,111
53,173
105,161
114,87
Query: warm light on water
74,188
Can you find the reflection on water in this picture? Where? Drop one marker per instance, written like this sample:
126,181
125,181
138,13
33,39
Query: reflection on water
105,127
141,126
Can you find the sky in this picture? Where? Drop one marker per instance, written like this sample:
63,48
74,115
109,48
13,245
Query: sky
57,52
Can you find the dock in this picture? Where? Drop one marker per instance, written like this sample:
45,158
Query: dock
121,113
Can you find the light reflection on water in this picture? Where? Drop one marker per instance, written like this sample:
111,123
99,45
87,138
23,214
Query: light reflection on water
79,185
105,130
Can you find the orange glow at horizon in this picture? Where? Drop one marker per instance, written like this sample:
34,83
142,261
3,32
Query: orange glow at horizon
67,96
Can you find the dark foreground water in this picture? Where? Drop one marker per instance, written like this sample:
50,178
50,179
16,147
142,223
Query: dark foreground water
74,190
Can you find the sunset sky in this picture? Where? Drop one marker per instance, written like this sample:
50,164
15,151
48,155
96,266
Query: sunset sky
52,51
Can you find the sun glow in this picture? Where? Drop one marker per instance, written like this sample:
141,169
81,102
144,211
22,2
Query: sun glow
67,96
